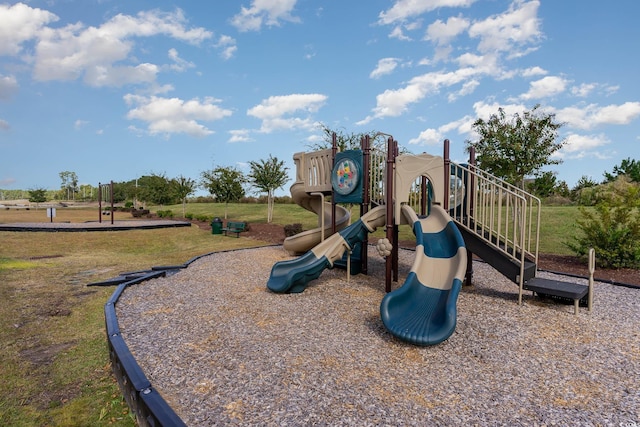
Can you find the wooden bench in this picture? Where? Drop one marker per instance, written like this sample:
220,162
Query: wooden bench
235,227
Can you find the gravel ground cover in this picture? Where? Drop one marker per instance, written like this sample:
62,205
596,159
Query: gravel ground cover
223,350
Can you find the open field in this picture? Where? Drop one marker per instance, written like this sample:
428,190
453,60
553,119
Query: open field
53,353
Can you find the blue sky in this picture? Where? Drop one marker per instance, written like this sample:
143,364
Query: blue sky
113,90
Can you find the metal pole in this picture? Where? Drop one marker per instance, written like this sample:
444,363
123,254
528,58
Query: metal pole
447,176
100,203
366,196
389,203
334,151
111,197
395,249
470,200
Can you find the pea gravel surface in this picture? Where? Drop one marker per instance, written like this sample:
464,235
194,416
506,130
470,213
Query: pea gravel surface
224,350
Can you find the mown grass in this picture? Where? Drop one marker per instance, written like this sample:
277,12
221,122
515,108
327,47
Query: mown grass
53,354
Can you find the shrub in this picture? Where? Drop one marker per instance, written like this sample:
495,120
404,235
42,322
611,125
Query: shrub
613,232
188,215
165,214
203,217
292,229
128,205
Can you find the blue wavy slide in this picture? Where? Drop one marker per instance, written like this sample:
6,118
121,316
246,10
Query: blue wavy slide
423,310
292,276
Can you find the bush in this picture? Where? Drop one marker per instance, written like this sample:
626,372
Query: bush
203,217
188,215
165,214
128,205
292,229
613,232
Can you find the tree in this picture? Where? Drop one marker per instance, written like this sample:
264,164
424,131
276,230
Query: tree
69,183
225,184
155,189
268,176
515,147
37,195
628,167
183,187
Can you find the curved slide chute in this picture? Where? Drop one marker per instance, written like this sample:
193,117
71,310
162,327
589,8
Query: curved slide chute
292,276
423,311
306,240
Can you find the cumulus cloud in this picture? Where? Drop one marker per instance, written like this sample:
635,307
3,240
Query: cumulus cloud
96,53
392,103
283,112
580,146
166,116
179,64
240,135
592,115
545,87
385,66
403,10
442,33
20,23
264,12
516,27
227,46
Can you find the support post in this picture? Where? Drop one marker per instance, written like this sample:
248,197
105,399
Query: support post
470,199
334,151
100,203
389,202
366,198
111,197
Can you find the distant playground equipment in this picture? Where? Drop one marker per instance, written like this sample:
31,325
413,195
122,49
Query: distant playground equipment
105,193
463,211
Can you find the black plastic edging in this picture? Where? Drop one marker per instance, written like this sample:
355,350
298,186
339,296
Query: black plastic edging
145,402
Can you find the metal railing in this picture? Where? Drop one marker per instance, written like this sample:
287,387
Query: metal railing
503,215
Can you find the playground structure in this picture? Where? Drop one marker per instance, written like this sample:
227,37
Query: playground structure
463,211
105,193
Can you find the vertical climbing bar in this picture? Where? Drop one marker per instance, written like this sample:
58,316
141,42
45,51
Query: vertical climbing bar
365,144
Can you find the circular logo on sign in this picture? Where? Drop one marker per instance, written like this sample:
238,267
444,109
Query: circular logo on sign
345,177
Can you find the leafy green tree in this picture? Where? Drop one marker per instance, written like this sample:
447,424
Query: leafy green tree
156,189
183,187
628,167
38,195
268,175
69,183
513,148
225,184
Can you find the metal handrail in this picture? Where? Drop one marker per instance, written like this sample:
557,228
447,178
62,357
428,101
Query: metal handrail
503,215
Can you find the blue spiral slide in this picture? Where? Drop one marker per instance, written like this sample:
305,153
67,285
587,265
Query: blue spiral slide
423,310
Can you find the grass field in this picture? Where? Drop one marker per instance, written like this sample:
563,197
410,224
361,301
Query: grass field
53,354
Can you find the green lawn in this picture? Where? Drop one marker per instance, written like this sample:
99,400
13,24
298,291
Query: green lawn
557,223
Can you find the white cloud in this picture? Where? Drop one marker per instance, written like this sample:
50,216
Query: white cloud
228,46
436,136
4,125
385,66
583,90
240,135
545,87
406,9
264,12
179,64
442,33
534,71
79,124
20,23
95,53
592,115
392,103
276,112
518,26
580,146
8,86
166,116
428,137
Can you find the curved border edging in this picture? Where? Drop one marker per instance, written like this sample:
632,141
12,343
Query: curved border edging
145,402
